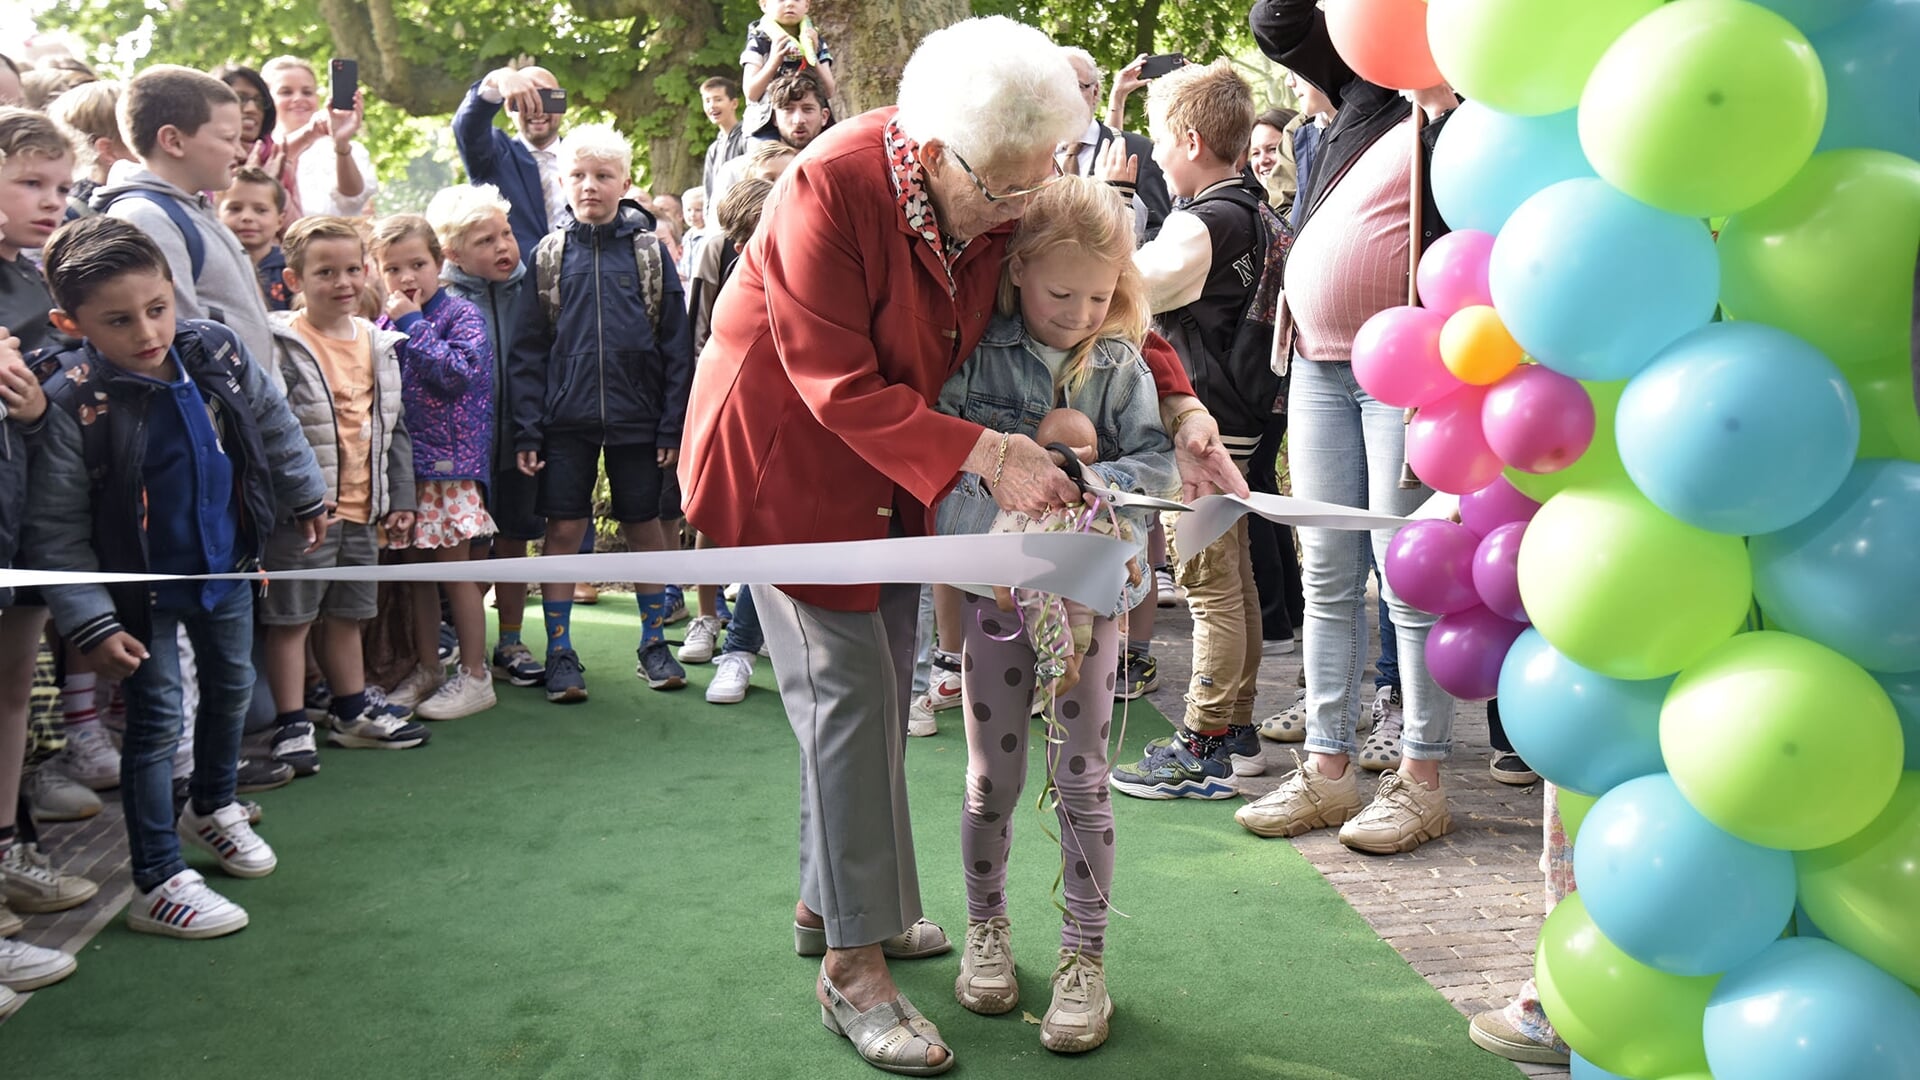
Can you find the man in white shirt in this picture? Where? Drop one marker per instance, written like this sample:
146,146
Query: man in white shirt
1081,156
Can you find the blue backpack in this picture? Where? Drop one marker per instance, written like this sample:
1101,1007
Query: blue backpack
190,232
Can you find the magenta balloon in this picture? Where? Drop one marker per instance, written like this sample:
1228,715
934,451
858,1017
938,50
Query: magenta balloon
1453,272
1430,564
1396,358
1445,445
1495,505
1538,420
1466,649
1496,571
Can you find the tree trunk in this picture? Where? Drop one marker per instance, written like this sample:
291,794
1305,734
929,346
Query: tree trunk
370,31
872,40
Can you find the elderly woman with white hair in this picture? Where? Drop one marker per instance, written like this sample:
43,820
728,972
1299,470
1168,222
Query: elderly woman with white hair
871,280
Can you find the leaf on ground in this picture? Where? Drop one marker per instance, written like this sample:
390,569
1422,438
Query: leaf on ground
1029,1017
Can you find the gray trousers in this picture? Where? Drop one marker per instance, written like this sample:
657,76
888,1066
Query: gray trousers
845,679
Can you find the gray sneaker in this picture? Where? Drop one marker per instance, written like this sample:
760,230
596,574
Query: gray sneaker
658,667
55,796
566,677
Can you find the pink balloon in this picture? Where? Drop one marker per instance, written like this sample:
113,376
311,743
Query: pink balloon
1465,650
1495,505
1496,571
1445,445
1396,358
1430,565
1538,420
1453,272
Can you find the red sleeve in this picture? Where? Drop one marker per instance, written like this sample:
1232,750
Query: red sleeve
822,326
1169,375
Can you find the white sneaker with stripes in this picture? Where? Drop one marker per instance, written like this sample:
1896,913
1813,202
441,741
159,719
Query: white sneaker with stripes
228,835
183,907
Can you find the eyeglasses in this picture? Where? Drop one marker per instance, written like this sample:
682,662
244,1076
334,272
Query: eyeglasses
1089,86
1004,196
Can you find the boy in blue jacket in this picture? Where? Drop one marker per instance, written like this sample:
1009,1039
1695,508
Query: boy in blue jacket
600,366
164,449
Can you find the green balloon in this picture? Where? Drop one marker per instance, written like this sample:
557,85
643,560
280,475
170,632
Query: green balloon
1782,742
1573,810
1704,107
1598,467
1889,427
1626,590
1617,1012
1829,258
1864,892
1525,57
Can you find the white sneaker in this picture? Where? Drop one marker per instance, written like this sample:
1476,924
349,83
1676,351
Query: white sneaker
183,907
1167,592
9,1002
55,796
26,967
29,883
227,834
462,695
703,634
418,686
90,757
731,675
943,693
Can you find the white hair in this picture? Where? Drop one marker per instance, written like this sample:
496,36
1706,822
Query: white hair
454,210
693,193
992,89
596,142
1075,52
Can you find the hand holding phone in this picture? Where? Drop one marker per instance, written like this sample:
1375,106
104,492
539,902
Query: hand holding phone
343,78
553,100
1155,66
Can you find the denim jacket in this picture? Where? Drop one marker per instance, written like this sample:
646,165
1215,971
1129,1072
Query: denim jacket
1005,386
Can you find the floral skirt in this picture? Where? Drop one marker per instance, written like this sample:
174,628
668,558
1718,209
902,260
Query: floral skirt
451,512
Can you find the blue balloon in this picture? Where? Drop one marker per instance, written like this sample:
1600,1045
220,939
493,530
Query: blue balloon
1581,730
1807,1009
1593,283
1582,1069
1804,926
1847,576
1905,692
1673,890
1487,163
1812,15
1738,428
1872,63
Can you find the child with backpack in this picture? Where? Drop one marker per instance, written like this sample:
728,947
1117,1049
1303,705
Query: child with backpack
36,172
1072,317
1212,278
183,125
164,449
600,368
446,373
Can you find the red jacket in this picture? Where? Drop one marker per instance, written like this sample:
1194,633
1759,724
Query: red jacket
811,414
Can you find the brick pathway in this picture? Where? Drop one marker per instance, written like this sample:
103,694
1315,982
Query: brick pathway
1463,910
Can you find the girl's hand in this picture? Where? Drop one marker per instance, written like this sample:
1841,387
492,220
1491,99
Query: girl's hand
400,304
1116,165
399,527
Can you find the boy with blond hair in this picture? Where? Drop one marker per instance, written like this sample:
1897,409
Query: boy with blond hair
1203,273
36,173
89,115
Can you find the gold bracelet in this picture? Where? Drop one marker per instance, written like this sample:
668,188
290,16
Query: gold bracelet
1180,421
1000,460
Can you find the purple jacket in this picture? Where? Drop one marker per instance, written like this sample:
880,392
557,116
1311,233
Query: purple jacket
446,370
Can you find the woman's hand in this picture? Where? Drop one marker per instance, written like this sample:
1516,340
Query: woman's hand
1025,478
344,124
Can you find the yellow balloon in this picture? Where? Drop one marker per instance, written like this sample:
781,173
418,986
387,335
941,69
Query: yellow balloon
1475,346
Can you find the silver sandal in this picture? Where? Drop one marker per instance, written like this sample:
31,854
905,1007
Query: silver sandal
891,1036
916,942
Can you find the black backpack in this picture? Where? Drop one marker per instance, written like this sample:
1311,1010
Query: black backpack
1242,389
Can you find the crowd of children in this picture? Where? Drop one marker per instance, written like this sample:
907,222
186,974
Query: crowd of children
220,360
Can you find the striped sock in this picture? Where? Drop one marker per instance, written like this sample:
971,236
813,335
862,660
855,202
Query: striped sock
76,699
559,616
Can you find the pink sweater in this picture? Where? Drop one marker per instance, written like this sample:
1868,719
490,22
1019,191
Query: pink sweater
1350,262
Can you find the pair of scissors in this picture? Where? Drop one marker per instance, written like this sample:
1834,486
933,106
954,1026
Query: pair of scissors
1077,473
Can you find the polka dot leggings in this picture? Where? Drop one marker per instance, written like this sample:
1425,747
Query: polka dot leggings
997,691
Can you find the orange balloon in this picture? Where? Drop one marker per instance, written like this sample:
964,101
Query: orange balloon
1384,41
1475,346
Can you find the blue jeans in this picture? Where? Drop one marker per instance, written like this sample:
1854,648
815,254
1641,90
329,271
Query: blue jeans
1389,666
743,631
223,647
1347,448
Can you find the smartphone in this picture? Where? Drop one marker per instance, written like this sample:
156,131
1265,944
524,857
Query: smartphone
553,99
343,77
1155,66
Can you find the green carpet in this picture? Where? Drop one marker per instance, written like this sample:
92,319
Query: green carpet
604,891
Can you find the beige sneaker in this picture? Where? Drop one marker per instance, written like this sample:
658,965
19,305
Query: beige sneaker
986,984
1077,1020
419,685
1305,801
30,883
1403,815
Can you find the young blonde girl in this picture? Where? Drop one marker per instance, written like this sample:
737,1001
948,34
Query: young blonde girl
1070,321
446,371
